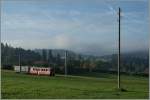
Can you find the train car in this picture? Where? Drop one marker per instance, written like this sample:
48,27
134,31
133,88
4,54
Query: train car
25,69
35,70
41,71
17,69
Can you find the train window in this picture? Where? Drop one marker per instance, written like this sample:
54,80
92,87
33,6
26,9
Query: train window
46,69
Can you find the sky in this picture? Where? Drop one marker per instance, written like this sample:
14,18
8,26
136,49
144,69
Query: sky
83,26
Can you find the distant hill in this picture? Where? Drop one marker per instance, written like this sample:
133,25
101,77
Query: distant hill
55,52
144,54
131,62
137,61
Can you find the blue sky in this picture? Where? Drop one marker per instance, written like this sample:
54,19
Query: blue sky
85,26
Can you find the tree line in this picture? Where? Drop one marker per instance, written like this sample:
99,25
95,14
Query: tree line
11,56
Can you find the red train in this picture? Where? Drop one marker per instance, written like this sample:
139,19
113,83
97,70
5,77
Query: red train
35,70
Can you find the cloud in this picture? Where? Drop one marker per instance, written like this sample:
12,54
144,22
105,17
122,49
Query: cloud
91,32
62,41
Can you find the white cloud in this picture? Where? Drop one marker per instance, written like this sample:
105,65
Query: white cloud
60,29
62,41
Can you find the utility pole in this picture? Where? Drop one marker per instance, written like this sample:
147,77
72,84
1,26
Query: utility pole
119,51
54,67
65,63
20,61
6,60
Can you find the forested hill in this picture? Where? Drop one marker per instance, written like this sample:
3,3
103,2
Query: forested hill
11,55
133,62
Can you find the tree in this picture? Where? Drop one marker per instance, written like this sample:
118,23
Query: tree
10,56
58,59
92,65
50,57
44,55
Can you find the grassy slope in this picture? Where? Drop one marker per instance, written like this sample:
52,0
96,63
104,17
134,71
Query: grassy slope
27,86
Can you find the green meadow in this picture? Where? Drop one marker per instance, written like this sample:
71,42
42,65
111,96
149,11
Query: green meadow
92,86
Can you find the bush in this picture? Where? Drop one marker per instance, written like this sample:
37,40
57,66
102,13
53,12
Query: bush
8,67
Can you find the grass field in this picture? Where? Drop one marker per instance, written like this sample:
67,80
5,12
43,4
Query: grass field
22,86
